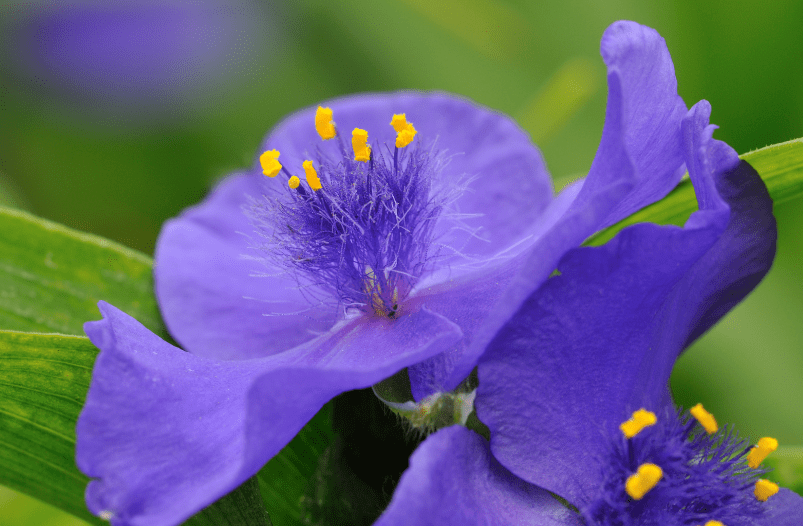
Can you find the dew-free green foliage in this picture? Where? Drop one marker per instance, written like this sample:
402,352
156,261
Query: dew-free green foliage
780,166
51,277
787,467
43,383
285,480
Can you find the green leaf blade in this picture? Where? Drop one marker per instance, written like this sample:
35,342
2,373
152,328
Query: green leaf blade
780,167
43,383
51,277
787,467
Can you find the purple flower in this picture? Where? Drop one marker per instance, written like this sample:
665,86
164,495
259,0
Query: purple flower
420,245
132,55
574,388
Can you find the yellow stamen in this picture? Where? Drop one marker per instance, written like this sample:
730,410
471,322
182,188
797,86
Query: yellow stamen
359,141
705,418
399,122
640,419
405,137
270,164
294,182
405,131
639,483
765,446
714,523
765,489
312,176
324,124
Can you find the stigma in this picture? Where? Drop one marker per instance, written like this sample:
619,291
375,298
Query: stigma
357,225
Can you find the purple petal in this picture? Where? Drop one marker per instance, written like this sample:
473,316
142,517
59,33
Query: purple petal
509,277
511,188
785,508
600,340
454,480
216,298
652,112
165,432
639,160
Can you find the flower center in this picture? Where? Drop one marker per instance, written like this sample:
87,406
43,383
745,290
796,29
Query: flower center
361,229
681,469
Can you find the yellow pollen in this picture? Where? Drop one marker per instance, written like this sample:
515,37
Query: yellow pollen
639,483
405,137
312,176
405,131
705,418
714,523
399,122
640,419
765,446
324,124
765,489
359,141
270,164
293,182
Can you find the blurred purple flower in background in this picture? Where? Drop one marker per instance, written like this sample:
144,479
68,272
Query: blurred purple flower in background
396,254
136,59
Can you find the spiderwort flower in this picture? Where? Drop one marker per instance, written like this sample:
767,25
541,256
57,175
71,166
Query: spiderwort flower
574,389
411,246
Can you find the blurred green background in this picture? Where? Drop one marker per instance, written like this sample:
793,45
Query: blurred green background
117,145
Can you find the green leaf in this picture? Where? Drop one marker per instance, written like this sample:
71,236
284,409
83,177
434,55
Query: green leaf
51,277
780,166
43,383
787,467
241,507
285,480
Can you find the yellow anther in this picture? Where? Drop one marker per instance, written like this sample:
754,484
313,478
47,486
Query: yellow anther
293,182
405,131
714,523
399,122
639,483
765,446
640,419
765,489
359,141
270,164
312,176
324,124
405,137
705,418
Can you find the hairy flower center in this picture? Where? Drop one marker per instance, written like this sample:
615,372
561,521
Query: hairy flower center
680,469
362,228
